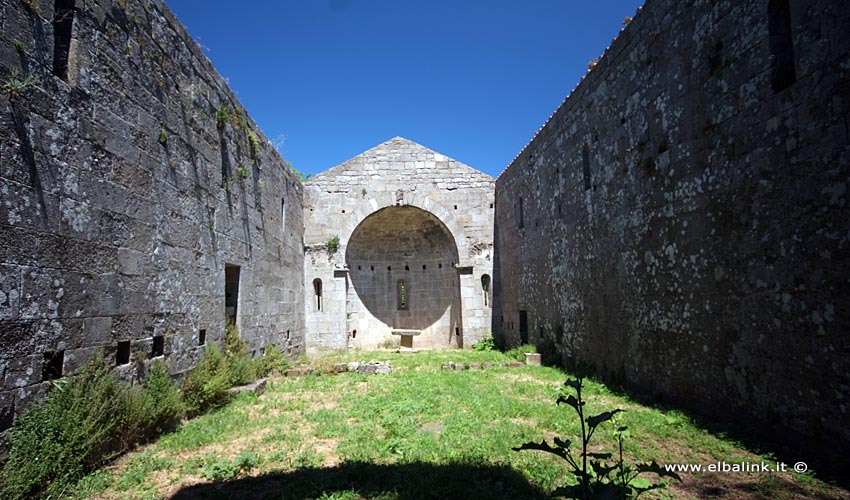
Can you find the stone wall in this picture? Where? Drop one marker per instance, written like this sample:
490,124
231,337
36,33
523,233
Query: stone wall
402,213
681,219
131,177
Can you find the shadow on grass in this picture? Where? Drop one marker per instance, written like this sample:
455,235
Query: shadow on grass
407,481
824,460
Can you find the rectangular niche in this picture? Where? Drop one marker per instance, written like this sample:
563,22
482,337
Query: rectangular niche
158,347
51,368
122,354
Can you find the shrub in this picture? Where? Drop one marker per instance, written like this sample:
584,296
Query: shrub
163,403
274,359
91,417
81,424
205,386
485,344
518,353
242,369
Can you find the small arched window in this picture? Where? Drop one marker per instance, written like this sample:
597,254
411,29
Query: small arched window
485,289
402,295
317,289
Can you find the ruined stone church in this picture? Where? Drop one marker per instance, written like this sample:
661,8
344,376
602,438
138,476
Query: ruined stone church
680,220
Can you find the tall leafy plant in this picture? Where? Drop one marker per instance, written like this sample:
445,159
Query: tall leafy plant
598,475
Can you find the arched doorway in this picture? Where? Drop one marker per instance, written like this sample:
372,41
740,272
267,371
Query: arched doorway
401,261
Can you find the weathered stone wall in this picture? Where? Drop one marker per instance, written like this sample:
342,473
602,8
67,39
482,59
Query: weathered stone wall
130,177
681,220
396,208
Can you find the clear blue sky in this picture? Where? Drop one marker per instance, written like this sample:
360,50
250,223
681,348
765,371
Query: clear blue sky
471,79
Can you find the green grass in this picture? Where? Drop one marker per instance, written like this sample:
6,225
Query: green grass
419,432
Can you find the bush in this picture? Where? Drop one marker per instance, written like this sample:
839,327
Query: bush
205,386
84,421
485,344
274,359
518,353
242,369
163,404
91,417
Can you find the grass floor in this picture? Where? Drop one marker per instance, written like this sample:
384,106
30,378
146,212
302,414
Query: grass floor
418,433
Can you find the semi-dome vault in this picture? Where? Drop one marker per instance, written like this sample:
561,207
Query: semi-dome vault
399,237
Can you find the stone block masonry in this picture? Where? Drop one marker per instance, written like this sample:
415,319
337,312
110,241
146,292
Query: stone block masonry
681,220
415,246
131,178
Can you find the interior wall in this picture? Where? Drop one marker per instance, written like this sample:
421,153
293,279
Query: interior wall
680,221
131,176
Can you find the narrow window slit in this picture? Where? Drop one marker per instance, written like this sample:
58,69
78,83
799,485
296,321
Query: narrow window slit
63,28
520,214
317,290
783,72
402,295
585,162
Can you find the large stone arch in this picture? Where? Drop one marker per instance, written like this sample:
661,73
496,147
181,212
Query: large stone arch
409,199
401,261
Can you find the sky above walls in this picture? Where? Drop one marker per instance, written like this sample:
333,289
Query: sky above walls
328,79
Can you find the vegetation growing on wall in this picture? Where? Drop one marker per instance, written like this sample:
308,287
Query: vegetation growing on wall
32,6
301,176
333,244
16,84
254,144
221,116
